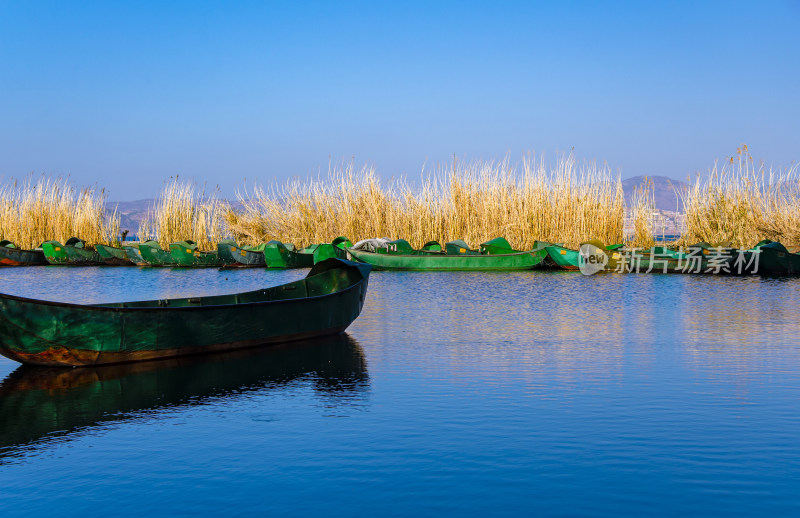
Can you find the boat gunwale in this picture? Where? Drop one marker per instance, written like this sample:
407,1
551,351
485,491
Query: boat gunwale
104,307
428,253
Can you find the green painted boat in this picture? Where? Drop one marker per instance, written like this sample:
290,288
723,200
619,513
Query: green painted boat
768,258
185,254
280,255
569,259
498,245
398,246
431,247
134,253
153,255
10,255
234,255
459,247
54,403
72,253
40,332
314,254
450,262
113,256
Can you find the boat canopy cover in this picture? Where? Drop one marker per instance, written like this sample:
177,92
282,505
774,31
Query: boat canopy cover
457,247
372,244
76,242
8,244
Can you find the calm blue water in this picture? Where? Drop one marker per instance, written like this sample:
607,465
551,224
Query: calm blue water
515,394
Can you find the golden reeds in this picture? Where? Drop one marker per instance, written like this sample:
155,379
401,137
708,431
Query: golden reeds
183,213
475,201
32,212
741,203
641,212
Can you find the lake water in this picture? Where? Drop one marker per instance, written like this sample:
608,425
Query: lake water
503,394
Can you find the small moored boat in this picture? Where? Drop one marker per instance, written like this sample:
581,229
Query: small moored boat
74,252
113,256
238,256
10,255
458,257
185,253
40,332
134,253
153,255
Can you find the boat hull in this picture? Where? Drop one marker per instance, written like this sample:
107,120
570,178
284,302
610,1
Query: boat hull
56,253
17,257
113,256
424,262
50,333
154,256
189,257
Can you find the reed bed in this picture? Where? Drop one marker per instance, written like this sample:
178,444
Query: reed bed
562,202
740,203
641,214
37,210
184,212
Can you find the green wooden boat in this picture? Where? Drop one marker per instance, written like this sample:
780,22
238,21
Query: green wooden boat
459,247
10,255
280,255
452,262
114,256
50,403
768,258
185,254
153,255
569,259
74,252
431,247
237,256
40,332
134,253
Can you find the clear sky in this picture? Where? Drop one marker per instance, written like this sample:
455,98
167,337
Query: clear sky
126,94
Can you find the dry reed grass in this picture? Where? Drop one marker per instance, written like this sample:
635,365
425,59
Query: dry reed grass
182,212
564,202
741,203
34,211
641,212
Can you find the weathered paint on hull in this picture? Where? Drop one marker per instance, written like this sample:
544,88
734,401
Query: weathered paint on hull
187,257
51,333
156,256
56,253
73,357
425,262
17,257
564,258
113,256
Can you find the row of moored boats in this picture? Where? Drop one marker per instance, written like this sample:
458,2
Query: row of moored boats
766,257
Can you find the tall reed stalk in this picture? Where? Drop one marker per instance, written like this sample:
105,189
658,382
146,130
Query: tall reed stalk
641,212
476,201
741,203
181,213
37,210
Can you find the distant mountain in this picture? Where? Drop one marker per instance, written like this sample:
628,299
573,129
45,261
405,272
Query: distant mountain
131,213
664,191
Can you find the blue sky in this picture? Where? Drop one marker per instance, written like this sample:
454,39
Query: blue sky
127,94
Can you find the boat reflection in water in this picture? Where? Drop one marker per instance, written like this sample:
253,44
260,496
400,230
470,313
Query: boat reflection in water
42,404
